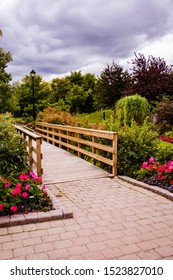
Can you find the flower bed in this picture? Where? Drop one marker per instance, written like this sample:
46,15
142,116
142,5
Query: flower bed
156,174
23,193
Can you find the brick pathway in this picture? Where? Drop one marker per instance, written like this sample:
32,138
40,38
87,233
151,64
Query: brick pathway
112,220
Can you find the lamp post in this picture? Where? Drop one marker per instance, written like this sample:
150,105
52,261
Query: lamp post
33,73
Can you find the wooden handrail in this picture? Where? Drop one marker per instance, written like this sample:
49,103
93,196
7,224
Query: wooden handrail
83,141
33,148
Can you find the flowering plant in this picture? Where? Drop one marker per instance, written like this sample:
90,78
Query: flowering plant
23,193
154,173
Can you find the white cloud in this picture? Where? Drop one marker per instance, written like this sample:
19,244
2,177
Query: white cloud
58,36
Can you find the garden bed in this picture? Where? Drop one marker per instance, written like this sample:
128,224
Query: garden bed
155,189
24,199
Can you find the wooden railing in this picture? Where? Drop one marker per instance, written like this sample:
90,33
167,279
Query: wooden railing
33,148
83,141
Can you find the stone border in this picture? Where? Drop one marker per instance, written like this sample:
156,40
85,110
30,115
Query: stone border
154,189
59,212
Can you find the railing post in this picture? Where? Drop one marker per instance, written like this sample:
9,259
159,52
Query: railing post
93,149
39,156
30,154
114,155
79,145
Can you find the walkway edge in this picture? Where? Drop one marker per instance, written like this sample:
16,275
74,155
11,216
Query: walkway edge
59,212
153,189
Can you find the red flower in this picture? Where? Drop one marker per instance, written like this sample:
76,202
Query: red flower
150,167
144,165
7,184
151,160
19,185
16,191
13,208
171,182
25,194
1,207
23,177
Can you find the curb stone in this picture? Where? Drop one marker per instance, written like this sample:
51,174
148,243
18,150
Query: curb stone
154,189
58,212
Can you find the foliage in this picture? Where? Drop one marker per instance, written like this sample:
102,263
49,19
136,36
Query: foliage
151,77
164,152
53,115
134,107
19,193
157,174
7,100
23,91
111,85
135,144
164,116
12,151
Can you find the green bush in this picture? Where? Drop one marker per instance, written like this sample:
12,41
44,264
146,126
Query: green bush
164,116
135,145
164,152
12,151
132,108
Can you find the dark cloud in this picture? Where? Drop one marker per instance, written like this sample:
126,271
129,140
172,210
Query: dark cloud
58,36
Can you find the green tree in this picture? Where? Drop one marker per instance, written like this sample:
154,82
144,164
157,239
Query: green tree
43,95
112,84
7,101
132,108
77,98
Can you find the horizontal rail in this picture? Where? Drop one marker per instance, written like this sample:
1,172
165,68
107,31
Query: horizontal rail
89,142
33,147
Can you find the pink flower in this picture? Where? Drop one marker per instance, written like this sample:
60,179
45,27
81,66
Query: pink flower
1,207
19,185
8,184
151,160
25,194
161,177
150,167
144,165
23,177
3,179
27,187
13,208
39,179
43,187
16,191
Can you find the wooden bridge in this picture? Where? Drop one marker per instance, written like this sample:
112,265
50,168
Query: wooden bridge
55,164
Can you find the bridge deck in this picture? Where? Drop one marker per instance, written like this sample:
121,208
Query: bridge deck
61,166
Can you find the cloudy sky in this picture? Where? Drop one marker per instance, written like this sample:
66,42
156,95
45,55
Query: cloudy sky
54,37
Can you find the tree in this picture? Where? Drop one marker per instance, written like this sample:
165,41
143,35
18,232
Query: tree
7,102
151,77
112,84
132,108
77,98
43,94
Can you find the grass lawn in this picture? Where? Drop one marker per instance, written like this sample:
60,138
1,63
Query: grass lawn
97,117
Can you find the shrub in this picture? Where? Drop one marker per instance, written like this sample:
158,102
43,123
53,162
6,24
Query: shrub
164,116
134,107
164,152
53,115
135,145
12,151
19,193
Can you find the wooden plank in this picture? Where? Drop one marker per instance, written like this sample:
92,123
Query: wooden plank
82,141
86,131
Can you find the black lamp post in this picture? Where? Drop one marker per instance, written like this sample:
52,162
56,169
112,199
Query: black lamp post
33,73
